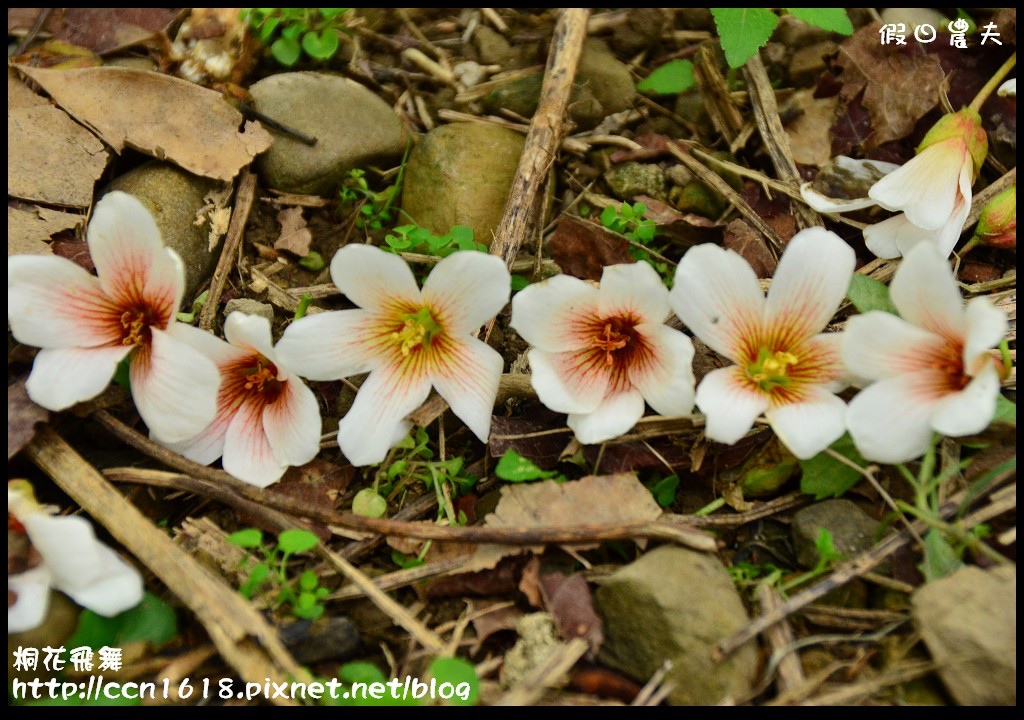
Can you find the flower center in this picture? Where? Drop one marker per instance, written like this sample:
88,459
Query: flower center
261,379
616,335
135,324
418,329
771,368
951,363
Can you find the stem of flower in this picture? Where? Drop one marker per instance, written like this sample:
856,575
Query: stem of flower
993,83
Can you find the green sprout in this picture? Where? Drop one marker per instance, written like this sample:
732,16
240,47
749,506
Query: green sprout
290,32
629,221
303,595
414,239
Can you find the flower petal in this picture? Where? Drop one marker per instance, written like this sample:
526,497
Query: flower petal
825,204
730,403
986,325
220,352
664,374
969,411
925,188
548,314
615,416
247,451
33,602
811,425
890,420
467,289
116,586
809,284
373,278
292,424
174,386
879,345
926,294
376,421
54,303
65,376
634,289
329,345
132,263
250,332
717,295
569,382
897,235
468,380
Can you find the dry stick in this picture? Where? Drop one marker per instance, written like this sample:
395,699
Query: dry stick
576,534
725,116
711,178
424,635
776,141
850,570
542,141
780,640
244,639
232,241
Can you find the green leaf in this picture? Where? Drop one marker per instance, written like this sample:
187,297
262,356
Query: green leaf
321,46
248,538
826,548
364,672
462,235
940,559
257,575
520,282
296,541
1006,411
462,676
152,620
743,31
405,561
314,261
823,476
369,504
513,467
673,77
331,13
832,19
286,51
868,294
664,490
308,581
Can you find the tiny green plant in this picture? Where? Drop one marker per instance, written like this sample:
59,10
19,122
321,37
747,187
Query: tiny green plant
303,595
743,31
375,208
415,239
672,78
290,32
629,221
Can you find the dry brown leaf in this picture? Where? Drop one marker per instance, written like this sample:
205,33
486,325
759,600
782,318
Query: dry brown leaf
900,83
582,248
167,118
751,246
28,230
490,618
51,158
809,136
571,603
22,417
611,499
295,236
19,94
102,30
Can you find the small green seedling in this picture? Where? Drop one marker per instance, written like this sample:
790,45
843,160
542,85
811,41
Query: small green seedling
415,239
303,595
629,221
290,32
375,208
744,31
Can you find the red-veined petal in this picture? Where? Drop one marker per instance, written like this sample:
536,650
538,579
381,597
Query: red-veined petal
54,303
986,325
970,410
466,374
247,451
63,377
333,345
372,278
717,295
466,289
617,413
663,373
251,332
570,382
890,420
925,188
292,424
730,403
878,345
633,290
551,314
926,294
809,426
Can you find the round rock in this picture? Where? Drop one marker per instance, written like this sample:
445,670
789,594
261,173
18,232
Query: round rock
460,174
354,128
175,198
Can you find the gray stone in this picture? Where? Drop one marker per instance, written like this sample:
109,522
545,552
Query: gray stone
175,198
354,128
627,180
249,307
460,174
969,623
606,76
494,49
537,640
852,530
676,604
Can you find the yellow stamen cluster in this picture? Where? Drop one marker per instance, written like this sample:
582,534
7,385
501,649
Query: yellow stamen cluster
609,341
134,324
259,377
771,369
418,329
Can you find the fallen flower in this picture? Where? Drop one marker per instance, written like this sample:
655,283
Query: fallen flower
70,559
599,353
784,368
408,339
86,325
267,419
931,366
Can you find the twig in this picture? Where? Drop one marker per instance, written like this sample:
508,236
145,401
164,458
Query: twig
37,25
229,250
546,675
776,141
244,639
780,640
